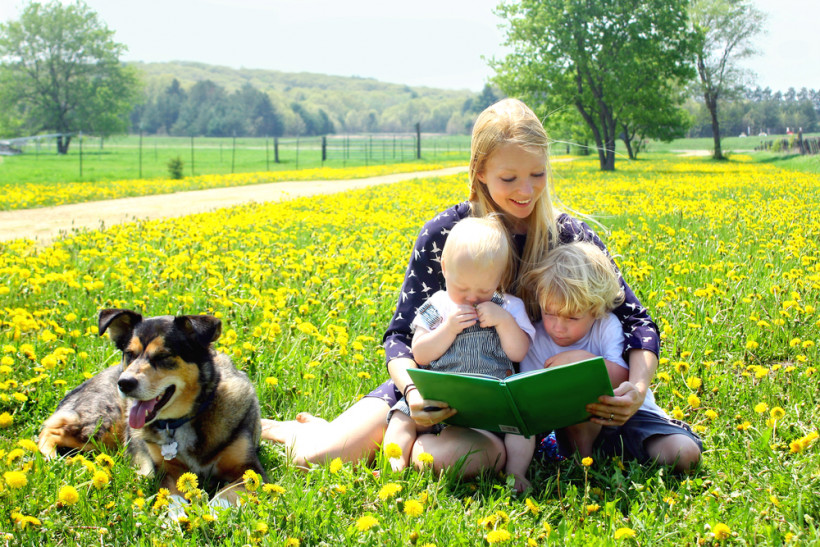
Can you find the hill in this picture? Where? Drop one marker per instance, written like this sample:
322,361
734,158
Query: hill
352,104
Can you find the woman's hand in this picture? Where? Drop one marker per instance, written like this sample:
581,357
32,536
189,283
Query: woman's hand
429,417
614,411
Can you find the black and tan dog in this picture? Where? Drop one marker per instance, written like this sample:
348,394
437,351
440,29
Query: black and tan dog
179,405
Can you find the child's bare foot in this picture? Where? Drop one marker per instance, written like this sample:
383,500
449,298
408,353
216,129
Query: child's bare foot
398,464
307,417
277,431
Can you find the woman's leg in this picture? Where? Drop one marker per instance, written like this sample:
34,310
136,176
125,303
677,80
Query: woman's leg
354,435
484,450
677,450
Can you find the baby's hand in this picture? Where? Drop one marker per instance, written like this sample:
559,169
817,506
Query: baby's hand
464,316
491,314
521,484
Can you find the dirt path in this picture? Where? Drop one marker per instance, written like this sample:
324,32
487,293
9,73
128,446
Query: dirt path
47,223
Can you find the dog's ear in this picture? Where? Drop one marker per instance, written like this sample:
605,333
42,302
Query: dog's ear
120,325
204,329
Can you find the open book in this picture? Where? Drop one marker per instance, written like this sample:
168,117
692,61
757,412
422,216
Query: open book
526,404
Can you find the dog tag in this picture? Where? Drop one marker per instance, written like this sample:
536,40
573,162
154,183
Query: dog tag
169,451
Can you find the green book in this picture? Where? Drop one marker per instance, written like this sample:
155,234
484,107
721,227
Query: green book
526,404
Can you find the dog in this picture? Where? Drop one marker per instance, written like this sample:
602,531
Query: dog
177,404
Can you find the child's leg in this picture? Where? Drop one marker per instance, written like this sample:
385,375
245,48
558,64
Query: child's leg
678,450
617,374
519,455
582,437
400,431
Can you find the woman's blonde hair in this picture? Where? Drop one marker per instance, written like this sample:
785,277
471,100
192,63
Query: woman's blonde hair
575,279
485,242
511,121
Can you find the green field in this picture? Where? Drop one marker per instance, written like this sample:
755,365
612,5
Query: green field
125,158
724,254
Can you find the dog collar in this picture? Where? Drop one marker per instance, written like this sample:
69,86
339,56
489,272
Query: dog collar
174,424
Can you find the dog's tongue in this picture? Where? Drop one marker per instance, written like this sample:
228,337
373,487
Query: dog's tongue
139,412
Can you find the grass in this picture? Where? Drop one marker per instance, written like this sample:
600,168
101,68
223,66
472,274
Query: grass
723,253
126,158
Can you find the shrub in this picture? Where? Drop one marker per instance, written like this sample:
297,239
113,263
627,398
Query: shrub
175,168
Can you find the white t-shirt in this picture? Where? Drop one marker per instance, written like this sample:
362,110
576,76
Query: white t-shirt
605,338
512,304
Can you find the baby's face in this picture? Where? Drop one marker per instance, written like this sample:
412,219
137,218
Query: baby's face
565,330
471,286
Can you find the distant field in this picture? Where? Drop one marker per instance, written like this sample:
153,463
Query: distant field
120,158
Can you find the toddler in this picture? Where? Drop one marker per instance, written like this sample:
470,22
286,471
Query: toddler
469,327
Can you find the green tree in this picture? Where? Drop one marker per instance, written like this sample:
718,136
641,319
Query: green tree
596,55
60,70
726,29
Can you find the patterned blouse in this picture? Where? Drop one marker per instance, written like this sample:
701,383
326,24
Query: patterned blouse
423,278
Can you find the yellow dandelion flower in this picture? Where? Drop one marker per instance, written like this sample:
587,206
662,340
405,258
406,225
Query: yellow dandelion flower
592,507
721,531
271,381
292,542
547,528
252,480
751,345
497,536
532,507
711,414
15,479
694,382
6,420
100,479
413,508
392,450
677,413
693,400
336,465
760,408
586,462
68,495
426,458
139,503
623,533
744,426
389,490
777,412
28,444
261,528
274,489
187,482
105,460
365,523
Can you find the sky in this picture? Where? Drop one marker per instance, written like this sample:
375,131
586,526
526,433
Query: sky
435,43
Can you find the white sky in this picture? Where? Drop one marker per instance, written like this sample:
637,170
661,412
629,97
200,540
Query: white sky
437,43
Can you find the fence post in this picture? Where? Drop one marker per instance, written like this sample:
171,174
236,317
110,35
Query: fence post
418,140
324,149
276,149
81,154
800,141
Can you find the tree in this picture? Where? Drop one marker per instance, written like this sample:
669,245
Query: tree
595,55
726,29
60,70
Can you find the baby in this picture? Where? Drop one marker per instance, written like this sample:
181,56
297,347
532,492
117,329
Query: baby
471,327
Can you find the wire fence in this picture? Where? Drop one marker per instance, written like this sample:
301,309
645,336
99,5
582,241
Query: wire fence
136,156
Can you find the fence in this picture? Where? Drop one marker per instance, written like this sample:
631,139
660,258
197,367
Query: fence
796,144
136,156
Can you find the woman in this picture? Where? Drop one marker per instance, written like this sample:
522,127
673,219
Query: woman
509,175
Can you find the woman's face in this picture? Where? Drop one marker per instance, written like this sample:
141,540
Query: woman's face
515,177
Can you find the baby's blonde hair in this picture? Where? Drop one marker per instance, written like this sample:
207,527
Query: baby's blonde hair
484,241
575,279
510,121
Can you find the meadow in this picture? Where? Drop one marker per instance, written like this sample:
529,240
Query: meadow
725,255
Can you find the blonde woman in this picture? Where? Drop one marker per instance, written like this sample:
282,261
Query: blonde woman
509,176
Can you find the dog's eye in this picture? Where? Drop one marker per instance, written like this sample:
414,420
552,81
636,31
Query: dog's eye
129,355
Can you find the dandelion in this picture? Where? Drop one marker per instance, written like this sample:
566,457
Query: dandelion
413,508
274,489
751,345
677,413
744,426
68,495
693,400
271,381
623,533
261,528
365,523
802,443
28,444
532,507
694,382
105,460
586,462
777,412
392,450
711,414
15,479
336,465
497,536
187,482
760,408
292,542
252,480
592,507
425,458
6,420
389,490
100,480
721,531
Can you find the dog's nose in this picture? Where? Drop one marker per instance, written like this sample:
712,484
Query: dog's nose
127,384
